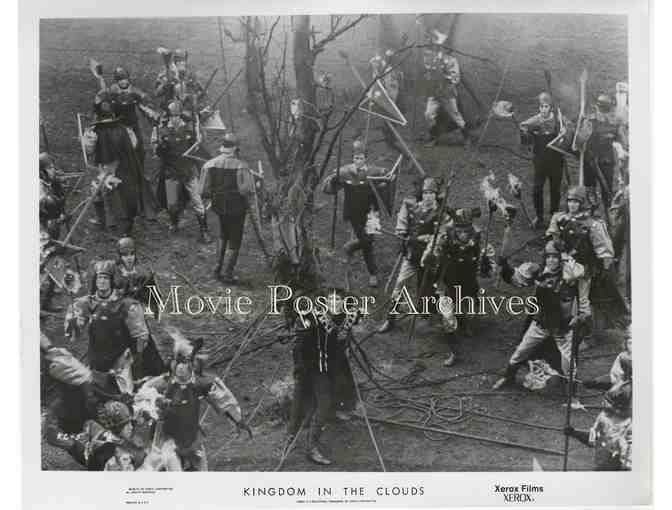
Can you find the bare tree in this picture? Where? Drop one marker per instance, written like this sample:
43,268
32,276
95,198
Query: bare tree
296,126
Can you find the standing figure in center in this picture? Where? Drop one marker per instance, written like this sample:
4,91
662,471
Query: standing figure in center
229,183
538,131
360,200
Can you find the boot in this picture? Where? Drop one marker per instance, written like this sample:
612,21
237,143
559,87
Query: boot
388,325
316,456
230,266
220,259
174,220
450,358
100,215
508,377
203,226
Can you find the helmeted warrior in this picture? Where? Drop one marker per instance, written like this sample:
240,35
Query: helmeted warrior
443,109
586,239
175,137
113,147
178,83
52,196
104,444
360,200
82,416
459,262
130,279
416,223
538,131
611,434
128,99
607,128
323,380
555,291
115,324
229,183
182,390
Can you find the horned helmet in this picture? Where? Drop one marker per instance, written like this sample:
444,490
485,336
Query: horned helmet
187,363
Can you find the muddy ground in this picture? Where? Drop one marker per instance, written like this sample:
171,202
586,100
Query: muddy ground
413,370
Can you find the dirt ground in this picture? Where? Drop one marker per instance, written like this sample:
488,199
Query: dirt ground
461,391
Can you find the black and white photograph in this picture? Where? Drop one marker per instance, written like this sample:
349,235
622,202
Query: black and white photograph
366,243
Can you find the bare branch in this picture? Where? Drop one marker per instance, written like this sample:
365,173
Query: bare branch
318,47
270,36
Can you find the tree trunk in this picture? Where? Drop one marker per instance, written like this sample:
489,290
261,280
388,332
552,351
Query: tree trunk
304,60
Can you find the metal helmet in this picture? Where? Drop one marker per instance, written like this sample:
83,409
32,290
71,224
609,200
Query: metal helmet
103,267
545,98
552,248
45,160
358,147
430,184
113,415
126,246
230,140
180,55
577,193
462,218
604,102
121,74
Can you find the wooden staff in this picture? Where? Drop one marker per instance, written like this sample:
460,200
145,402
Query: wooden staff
106,172
425,273
338,173
570,392
81,143
394,271
582,81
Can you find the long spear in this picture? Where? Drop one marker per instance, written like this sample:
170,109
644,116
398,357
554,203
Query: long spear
582,82
570,392
425,273
96,190
338,173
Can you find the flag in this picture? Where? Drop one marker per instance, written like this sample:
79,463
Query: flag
380,104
